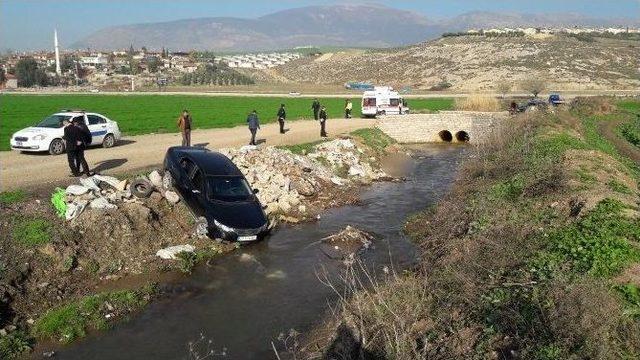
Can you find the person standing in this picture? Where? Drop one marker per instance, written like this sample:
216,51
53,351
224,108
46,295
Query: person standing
316,108
184,123
323,121
77,137
282,116
254,125
347,109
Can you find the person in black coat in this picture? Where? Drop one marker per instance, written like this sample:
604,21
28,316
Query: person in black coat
323,121
77,137
282,116
316,108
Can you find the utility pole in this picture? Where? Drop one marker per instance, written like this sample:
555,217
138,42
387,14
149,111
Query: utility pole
55,43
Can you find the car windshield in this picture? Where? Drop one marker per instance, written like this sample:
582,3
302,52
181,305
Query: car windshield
53,121
228,188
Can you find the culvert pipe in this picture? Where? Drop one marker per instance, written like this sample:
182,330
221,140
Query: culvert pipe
462,136
445,135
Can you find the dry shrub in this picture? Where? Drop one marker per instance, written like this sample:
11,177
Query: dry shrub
593,105
588,319
477,102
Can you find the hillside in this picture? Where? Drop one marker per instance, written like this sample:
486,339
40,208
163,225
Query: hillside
348,25
478,63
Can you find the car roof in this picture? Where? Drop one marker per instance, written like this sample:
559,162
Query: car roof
210,162
76,113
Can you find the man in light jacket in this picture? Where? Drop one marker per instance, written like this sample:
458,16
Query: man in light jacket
254,125
184,123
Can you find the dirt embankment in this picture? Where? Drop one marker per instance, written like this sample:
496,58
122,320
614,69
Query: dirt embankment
110,234
533,254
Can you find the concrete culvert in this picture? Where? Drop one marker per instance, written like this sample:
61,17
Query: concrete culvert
462,136
445,135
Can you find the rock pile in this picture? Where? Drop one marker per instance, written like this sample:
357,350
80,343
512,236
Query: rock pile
106,192
286,181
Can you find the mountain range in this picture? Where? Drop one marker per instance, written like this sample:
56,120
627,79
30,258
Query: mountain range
335,25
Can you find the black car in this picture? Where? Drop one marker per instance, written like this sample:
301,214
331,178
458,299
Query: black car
214,188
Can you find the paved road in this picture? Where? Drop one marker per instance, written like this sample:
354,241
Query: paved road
22,170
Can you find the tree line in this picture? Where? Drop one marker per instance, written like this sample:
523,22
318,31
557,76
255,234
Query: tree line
215,74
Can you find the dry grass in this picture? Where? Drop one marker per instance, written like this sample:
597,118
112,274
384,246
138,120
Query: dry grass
478,102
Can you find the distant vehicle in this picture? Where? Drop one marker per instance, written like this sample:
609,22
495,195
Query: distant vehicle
214,188
47,134
94,91
383,101
359,86
555,100
532,103
294,93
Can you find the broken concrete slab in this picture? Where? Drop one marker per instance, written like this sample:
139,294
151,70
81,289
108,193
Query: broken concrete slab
171,252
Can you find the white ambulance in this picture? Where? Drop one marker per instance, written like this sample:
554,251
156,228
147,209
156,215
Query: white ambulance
383,100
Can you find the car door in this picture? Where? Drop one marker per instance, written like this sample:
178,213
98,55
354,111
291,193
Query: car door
197,200
98,128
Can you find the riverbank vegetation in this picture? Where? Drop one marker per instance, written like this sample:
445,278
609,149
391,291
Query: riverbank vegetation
534,254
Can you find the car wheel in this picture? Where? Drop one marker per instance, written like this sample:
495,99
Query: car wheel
56,147
109,141
141,188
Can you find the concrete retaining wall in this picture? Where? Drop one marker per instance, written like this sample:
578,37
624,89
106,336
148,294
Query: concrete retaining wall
439,127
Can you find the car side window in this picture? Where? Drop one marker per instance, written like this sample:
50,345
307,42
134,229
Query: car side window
187,165
95,120
197,179
80,118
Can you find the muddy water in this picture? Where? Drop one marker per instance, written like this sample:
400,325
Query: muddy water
244,300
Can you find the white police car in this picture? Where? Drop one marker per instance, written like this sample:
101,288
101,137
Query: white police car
47,135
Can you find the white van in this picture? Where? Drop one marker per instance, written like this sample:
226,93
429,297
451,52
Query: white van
383,100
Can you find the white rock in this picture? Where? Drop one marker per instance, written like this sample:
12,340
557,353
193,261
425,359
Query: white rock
90,182
112,181
338,181
248,148
155,179
74,209
356,170
122,185
102,203
76,190
171,197
171,251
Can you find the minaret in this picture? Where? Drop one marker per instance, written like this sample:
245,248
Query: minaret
55,43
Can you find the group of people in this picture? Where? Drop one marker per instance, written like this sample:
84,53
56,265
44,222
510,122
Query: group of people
77,137
253,122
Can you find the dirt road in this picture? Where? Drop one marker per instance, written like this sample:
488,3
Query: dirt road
24,170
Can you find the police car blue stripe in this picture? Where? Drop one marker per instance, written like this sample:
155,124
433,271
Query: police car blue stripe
99,133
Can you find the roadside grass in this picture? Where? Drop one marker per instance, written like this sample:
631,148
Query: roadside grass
14,344
144,114
12,197
477,102
69,322
301,149
511,265
31,232
374,138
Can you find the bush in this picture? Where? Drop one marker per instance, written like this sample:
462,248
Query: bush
32,232
187,260
478,103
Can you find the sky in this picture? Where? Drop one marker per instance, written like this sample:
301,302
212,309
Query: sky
29,24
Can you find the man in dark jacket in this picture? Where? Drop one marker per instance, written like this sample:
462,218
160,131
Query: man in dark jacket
282,116
77,136
323,121
316,108
254,125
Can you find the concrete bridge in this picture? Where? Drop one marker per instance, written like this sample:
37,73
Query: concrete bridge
444,126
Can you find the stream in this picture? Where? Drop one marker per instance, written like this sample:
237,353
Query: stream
243,300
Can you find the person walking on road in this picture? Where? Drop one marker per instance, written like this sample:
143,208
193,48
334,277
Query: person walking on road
282,116
316,108
323,121
77,137
347,109
254,125
184,123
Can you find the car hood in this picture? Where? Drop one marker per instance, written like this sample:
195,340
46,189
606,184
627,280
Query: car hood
32,131
237,215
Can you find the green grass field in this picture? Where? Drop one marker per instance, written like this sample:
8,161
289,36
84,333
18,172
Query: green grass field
143,114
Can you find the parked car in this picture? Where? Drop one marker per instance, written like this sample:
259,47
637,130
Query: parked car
214,188
47,134
555,100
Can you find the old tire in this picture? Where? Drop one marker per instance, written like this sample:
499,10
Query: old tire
141,188
109,141
56,147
